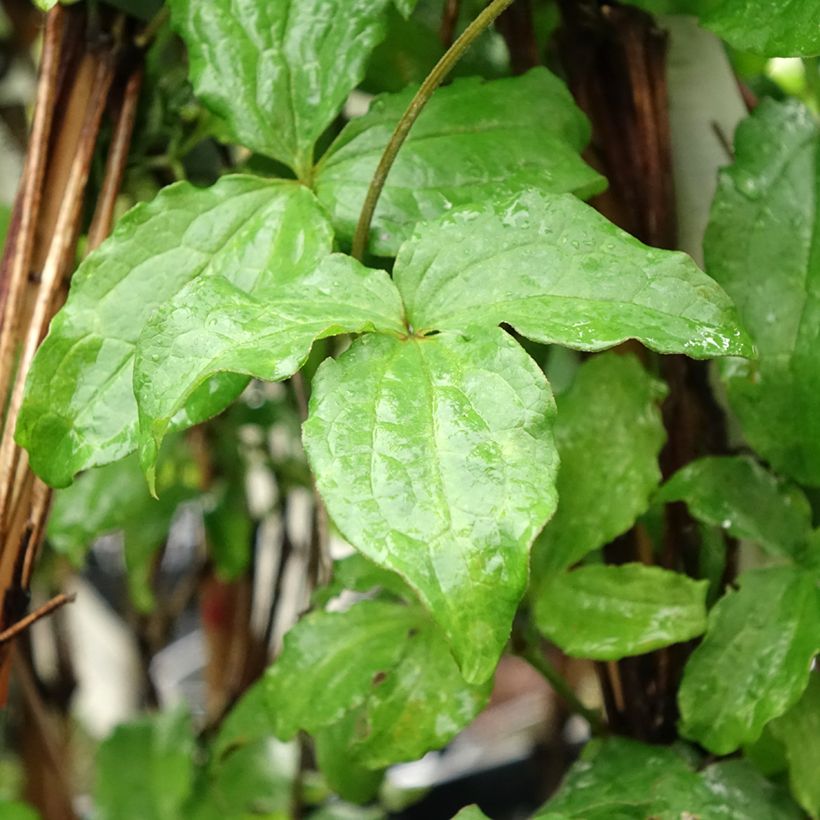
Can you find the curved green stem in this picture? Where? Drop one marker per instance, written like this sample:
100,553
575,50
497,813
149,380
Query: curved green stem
531,652
433,81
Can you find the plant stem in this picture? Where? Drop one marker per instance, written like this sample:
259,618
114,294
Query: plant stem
408,119
531,653
147,35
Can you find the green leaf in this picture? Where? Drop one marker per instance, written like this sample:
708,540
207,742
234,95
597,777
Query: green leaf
420,706
358,574
609,432
80,409
474,140
145,769
405,6
558,271
799,731
621,779
214,327
740,792
789,29
278,73
746,500
344,775
762,246
754,662
329,661
17,811
247,722
114,498
252,780
383,669
611,612
436,460
470,813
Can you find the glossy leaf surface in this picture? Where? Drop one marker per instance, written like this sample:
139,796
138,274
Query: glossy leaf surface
80,409
474,140
627,780
742,793
799,732
754,662
610,612
342,652
558,271
384,670
419,706
214,327
789,29
278,73
746,500
158,777
621,778
436,460
762,246
609,432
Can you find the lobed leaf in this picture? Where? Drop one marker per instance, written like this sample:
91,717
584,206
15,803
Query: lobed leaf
611,612
746,500
762,246
278,73
79,410
559,272
754,662
213,327
609,432
436,460
474,140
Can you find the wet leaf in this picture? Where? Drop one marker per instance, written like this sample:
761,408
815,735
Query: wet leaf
761,245
212,327
621,779
383,670
475,139
436,460
80,409
612,612
278,73
746,500
609,433
558,271
754,662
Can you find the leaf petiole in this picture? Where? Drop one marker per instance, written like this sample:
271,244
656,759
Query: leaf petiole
408,119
